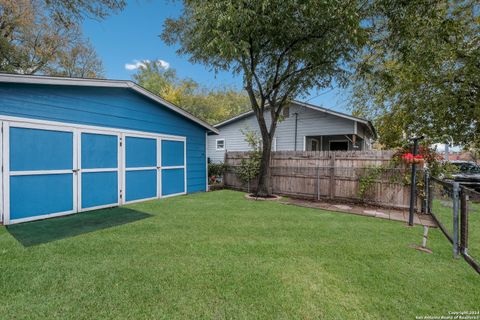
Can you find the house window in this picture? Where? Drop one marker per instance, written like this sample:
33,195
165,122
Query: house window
315,145
220,144
286,112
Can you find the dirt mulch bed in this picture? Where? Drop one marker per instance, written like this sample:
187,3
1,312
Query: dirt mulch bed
251,196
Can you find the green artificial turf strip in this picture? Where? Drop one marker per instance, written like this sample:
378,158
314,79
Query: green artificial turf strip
217,255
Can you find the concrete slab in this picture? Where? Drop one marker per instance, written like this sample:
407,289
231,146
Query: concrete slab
371,213
366,210
382,215
397,215
342,207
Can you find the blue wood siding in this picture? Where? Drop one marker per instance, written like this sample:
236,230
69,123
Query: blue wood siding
107,107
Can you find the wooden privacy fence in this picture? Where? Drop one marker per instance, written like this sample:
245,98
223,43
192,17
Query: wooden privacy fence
329,175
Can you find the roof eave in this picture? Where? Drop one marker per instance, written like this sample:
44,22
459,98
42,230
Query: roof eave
233,119
47,80
310,106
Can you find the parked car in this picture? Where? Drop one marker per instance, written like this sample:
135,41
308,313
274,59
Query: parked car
468,174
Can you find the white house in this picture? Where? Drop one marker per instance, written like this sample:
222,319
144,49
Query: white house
305,127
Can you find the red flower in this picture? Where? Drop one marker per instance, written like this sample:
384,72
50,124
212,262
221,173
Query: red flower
409,156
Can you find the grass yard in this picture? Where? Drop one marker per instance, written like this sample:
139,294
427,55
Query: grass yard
442,208
216,255
474,230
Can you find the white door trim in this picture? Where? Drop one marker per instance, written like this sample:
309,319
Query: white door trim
79,170
158,145
77,130
1,172
7,173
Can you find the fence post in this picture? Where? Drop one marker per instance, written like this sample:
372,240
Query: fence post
430,195
426,192
413,184
463,222
332,175
318,182
456,207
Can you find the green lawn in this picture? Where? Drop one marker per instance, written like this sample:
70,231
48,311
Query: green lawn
443,211
474,230
217,255
442,208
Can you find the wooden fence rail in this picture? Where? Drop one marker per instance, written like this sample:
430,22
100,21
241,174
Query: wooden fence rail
328,175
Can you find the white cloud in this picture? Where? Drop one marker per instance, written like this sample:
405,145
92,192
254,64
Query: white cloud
136,64
163,64
142,64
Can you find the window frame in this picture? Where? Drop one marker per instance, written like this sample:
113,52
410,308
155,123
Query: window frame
216,144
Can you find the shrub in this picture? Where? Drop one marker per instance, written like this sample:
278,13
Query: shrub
250,167
216,171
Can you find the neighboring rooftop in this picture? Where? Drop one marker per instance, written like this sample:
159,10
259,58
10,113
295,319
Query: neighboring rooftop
307,105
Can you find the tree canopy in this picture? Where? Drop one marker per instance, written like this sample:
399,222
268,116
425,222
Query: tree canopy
210,105
420,73
281,48
44,36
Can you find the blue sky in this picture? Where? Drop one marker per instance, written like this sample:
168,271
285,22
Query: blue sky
133,35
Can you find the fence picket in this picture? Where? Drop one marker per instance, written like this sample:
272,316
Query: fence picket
325,174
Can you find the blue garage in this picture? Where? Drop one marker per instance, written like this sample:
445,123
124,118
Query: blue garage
72,145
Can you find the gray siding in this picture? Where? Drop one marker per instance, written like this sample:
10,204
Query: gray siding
309,123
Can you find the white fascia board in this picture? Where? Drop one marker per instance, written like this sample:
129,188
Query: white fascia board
240,116
170,105
35,79
335,113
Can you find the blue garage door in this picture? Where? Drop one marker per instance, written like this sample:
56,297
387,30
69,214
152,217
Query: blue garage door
99,175
57,170
173,167
141,168
41,178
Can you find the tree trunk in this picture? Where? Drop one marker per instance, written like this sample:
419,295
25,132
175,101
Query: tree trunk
264,180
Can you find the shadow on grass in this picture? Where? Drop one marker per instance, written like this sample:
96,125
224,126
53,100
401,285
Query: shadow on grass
38,232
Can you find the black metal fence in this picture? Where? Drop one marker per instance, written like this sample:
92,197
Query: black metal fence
456,209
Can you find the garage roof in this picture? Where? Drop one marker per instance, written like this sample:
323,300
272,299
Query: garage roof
47,80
